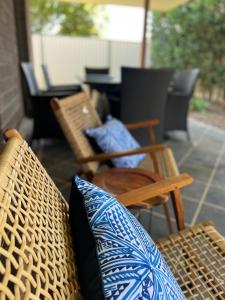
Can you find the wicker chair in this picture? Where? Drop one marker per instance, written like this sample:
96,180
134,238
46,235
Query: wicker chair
45,125
36,254
143,96
75,114
177,104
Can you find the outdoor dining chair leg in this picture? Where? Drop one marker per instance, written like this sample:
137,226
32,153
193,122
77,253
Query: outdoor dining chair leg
188,135
178,208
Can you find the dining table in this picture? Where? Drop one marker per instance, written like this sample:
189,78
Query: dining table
108,85
104,83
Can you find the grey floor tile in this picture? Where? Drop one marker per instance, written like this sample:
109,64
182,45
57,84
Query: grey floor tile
189,209
58,152
179,146
197,172
214,214
154,225
179,149
212,141
59,183
194,190
66,191
202,158
219,178
48,162
216,196
64,171
221,166
178,156
216,134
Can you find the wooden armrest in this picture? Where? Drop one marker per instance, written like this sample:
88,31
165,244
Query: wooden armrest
54,102
107,156
10,133
150,191
143,124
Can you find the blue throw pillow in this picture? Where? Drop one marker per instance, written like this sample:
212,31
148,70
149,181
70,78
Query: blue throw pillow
113,136
116,257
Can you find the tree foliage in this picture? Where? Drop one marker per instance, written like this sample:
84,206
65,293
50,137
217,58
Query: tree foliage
57,17
192,36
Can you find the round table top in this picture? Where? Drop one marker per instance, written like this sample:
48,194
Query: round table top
121,180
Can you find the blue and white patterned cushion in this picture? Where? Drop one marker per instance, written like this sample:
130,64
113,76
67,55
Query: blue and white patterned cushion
132,267
113,136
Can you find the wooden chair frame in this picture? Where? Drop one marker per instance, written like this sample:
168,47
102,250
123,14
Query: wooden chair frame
79,106
58,105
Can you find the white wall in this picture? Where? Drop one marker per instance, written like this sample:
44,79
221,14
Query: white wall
67,56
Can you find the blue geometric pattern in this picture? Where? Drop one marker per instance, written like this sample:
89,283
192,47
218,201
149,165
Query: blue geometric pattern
132,267
113,136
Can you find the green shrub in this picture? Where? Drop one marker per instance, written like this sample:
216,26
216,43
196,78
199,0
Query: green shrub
192,36
198,104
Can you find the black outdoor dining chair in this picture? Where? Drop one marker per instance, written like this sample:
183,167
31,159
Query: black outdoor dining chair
45,125
96,71
57,88
143,97
178,99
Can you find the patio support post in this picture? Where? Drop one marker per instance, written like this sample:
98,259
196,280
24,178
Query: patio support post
143,44
24,42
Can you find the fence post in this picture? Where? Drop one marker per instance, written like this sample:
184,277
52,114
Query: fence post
109,54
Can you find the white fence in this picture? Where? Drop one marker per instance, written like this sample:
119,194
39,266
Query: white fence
67,56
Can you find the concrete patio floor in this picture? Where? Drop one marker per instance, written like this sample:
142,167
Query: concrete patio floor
203,158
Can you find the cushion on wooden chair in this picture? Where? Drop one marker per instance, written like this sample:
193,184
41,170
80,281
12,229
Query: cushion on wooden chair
116,257
113,136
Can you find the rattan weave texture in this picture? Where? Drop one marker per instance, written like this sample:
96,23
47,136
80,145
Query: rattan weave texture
75,114
36,256
197,259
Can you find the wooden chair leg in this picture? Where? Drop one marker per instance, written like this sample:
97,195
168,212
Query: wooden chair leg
168,219
178,208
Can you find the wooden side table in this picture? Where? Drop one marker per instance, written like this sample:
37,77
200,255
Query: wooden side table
117,181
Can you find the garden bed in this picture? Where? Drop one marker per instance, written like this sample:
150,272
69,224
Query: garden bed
214,115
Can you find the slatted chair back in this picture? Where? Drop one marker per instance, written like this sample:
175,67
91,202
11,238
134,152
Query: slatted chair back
75,114
36,255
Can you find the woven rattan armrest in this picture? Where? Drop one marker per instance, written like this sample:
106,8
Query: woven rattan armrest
196,257
107,156
150,191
